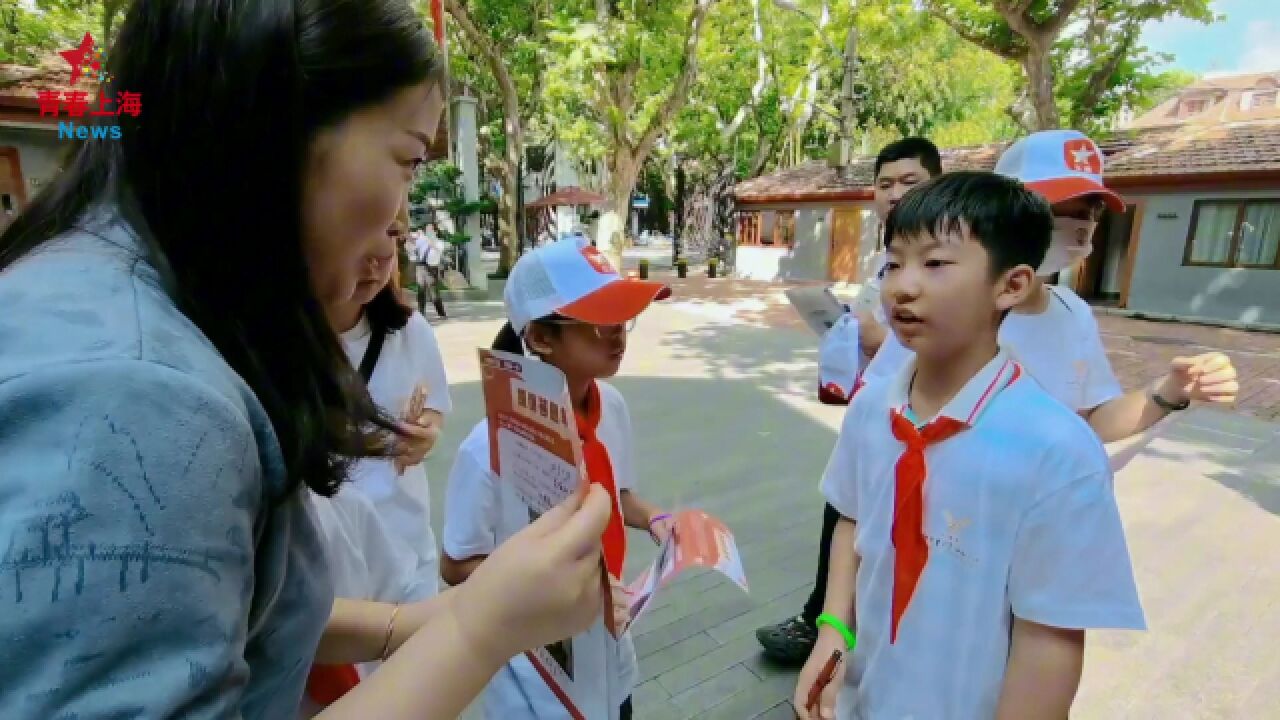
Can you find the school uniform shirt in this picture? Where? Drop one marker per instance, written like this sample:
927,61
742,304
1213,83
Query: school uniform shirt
1060,348
410,357
366,562
482,512
1019,520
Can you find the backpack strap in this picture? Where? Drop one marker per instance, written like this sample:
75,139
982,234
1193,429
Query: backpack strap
371,353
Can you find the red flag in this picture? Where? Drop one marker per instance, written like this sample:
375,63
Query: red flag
437,17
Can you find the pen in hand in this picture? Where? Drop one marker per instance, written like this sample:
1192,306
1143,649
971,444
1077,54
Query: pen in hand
824,679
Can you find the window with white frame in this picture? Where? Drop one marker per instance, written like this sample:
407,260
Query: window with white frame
1262,99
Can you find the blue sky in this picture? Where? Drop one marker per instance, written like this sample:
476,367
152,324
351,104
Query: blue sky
1247,40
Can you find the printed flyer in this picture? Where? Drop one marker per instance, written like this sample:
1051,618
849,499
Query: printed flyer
534,445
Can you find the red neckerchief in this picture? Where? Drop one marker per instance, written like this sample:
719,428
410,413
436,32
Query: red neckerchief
911,550
600,470
326,684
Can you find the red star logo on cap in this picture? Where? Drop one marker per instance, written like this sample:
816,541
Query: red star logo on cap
597,261
80,57
1082,156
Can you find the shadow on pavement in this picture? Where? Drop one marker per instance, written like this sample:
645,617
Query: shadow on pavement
776,359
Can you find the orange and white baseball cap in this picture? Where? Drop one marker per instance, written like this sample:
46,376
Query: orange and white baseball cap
1060,165
572,279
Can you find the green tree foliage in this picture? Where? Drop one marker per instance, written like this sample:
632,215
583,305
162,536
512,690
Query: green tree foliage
33,32
1102,67
502,66
1079,57
752,104
439,187
617,75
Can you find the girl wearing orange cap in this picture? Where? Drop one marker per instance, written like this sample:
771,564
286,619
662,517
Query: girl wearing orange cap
568,307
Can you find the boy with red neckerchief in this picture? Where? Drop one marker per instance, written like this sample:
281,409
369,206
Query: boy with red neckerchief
987,536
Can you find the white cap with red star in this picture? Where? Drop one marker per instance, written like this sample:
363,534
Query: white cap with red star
1060,165
572,279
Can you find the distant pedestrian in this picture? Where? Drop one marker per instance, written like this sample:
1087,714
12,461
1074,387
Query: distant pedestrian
426,253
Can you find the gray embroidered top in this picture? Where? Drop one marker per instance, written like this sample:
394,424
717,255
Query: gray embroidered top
152,564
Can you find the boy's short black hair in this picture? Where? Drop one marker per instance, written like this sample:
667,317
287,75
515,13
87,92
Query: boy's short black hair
1012,222
911,148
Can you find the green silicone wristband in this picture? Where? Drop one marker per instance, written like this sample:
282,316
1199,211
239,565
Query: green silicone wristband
834,622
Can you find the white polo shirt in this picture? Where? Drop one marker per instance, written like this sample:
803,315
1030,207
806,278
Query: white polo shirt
1061,348
410,357
1020,520
482,512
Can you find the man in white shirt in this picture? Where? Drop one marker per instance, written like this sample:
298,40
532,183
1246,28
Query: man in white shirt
1054,333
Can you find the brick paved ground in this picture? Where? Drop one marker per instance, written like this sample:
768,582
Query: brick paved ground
720,381
1140,350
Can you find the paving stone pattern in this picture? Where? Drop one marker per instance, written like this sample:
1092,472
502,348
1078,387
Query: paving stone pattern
720,382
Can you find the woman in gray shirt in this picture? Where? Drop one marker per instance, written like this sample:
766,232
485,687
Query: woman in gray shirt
169,387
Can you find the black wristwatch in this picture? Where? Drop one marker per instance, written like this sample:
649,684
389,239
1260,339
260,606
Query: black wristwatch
1170,406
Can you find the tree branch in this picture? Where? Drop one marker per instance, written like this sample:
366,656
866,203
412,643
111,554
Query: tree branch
986,42
1099,79
762,78
1053,25
482,43
1018,14
679,92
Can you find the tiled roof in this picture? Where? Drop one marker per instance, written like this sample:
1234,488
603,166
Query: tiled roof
24,82
1224,101
1252,147
816,181
1246,81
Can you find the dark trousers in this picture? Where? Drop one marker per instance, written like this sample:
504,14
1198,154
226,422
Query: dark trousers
813,608
431,290
626,709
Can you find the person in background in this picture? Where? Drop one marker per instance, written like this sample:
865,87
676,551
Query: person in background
567,307
1065,167
168,414
436,247
899,167
1053,332
426,255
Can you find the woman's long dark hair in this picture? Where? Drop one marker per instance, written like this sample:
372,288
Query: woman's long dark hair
210,175
386,312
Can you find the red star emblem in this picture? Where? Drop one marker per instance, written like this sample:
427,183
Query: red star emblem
1082,155
81,57
597,261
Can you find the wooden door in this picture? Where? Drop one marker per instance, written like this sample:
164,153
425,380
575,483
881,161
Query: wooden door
1089,273
11,181
846,228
